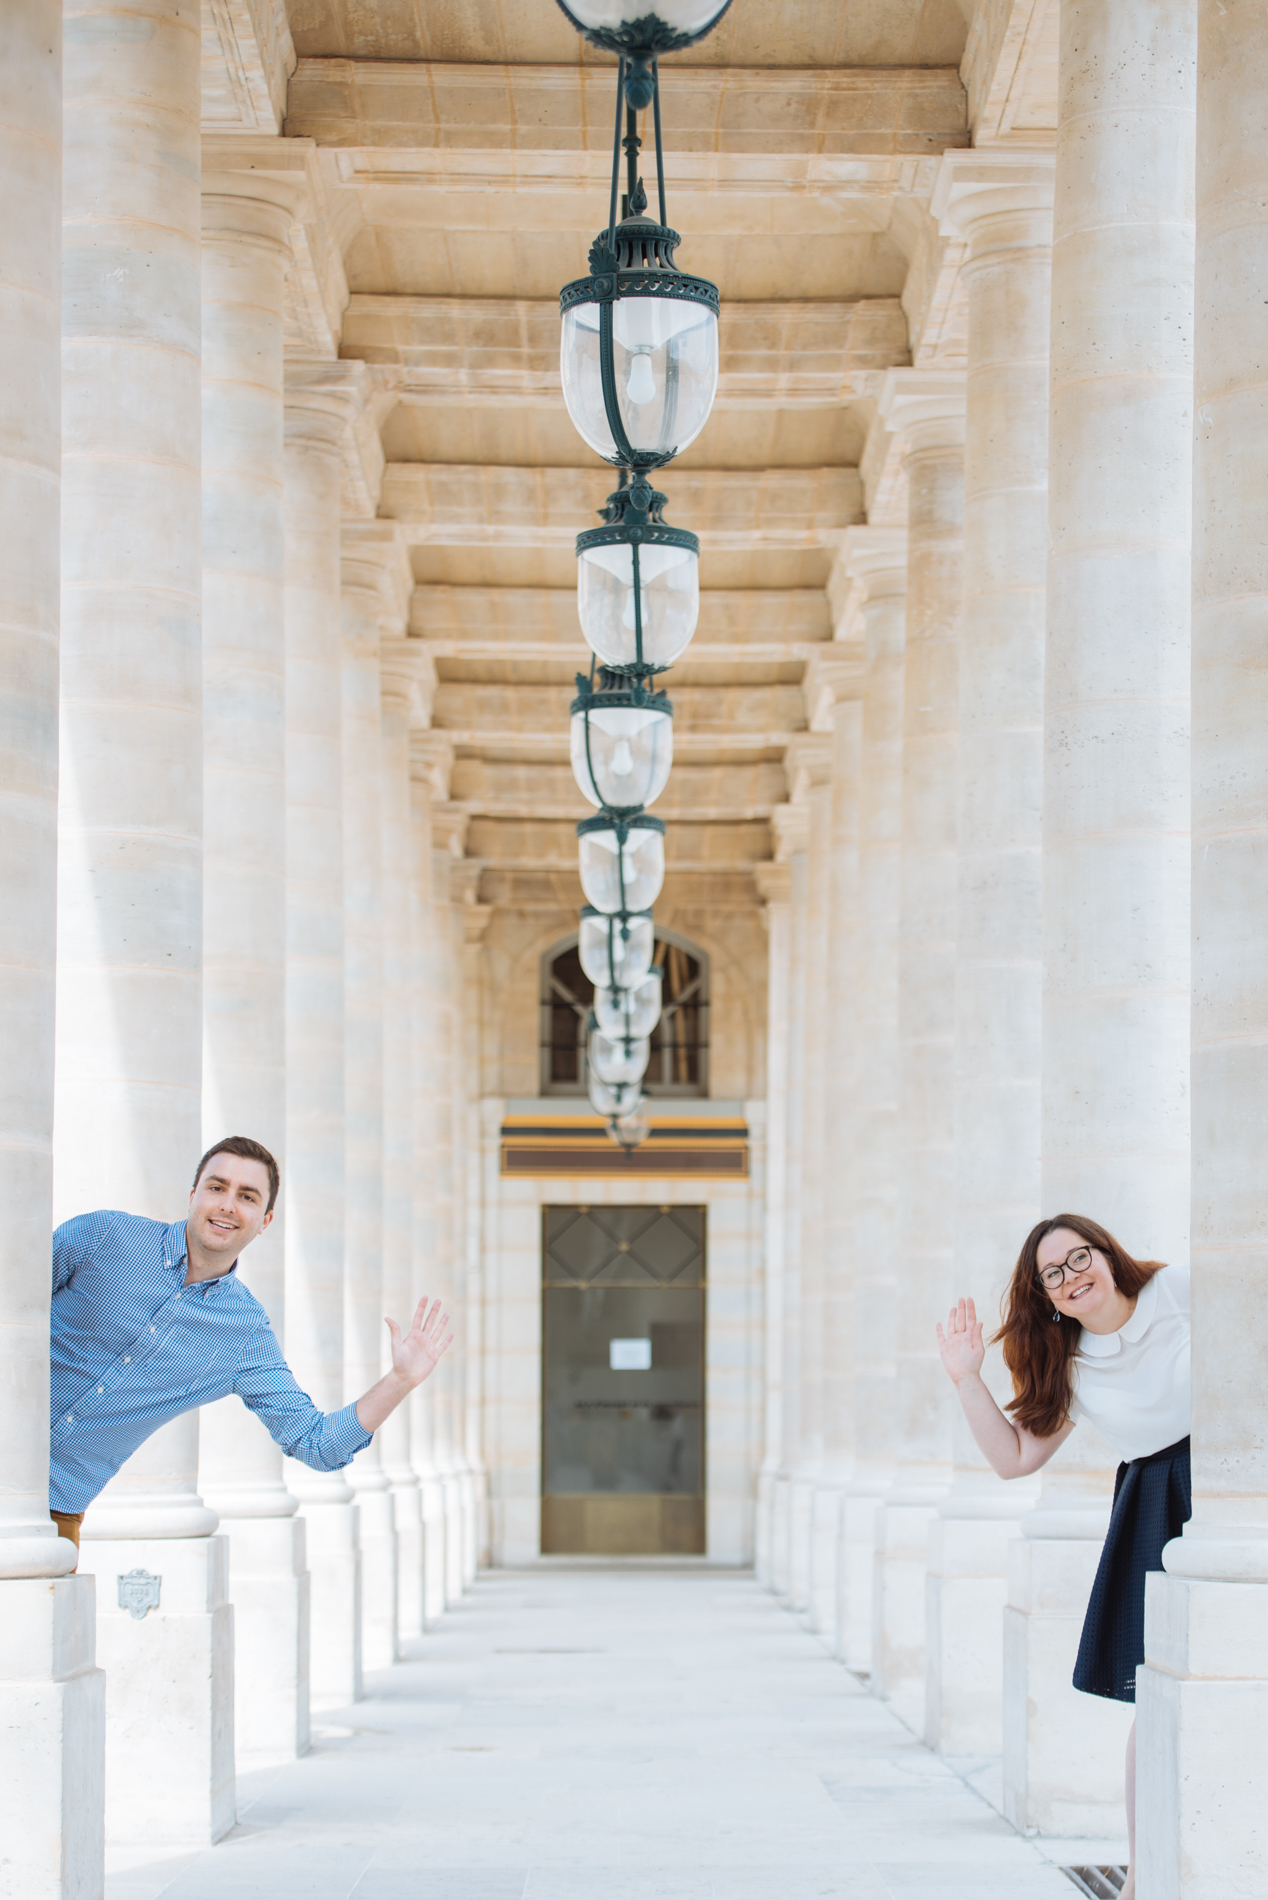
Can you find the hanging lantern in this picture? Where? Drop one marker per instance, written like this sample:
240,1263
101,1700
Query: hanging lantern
616,952
622,742
639,349
622,861
614,1098
627,1131
622,1014
617,1062
638,583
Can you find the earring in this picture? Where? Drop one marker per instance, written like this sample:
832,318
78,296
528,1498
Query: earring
1056,1315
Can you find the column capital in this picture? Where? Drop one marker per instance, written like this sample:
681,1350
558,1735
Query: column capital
791,825
431,761
926,407
807,762
871,564
774,881
449,829
833,673
407,677
375,567
976,188
328,409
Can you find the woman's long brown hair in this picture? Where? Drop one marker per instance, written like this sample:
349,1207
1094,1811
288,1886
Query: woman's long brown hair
1037,1352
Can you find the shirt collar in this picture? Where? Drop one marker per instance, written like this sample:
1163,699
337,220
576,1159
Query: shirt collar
176,1252
1105,1345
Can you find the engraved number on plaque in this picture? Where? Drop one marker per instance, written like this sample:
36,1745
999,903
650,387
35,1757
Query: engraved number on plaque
139,1592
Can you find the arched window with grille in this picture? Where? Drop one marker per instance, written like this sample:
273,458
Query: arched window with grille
680,1041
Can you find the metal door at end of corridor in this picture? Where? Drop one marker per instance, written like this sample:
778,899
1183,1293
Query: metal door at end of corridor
623,1305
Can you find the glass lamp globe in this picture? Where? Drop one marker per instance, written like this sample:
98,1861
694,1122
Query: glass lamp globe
621,1014
638,583
689,19
617,1062
616,952
639,347
613,1098
622,862
622,743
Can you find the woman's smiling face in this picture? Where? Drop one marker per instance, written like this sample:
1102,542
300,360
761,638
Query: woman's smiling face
1088,1295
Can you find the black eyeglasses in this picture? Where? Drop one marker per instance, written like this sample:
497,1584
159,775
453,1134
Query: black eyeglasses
1077,1262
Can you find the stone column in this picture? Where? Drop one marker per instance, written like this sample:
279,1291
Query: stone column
841,1178
245,254
1000,205
375,592
448,830
873,563
426,1222
791,1525
52,1699
1202,1701
128,1125
1116,783
402,1284
925,408
773,881
474,921
820,1510
321,402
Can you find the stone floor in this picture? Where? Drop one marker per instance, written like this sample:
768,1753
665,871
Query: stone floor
601,1733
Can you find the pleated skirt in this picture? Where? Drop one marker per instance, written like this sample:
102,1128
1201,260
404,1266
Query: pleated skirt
1153,1500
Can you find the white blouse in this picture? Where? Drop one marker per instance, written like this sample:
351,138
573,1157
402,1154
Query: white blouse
1133,1385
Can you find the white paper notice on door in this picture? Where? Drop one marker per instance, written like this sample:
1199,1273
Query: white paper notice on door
630,1355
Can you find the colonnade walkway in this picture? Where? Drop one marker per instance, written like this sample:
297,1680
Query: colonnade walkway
609,1733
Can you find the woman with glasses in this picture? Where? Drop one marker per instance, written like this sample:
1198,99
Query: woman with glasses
1088,1332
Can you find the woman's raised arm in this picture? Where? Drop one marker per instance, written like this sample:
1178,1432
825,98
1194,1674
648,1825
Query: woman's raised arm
1009,1449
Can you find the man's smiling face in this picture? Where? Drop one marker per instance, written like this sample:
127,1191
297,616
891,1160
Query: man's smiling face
227,1208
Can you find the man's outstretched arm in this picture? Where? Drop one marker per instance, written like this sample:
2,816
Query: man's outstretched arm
415,1356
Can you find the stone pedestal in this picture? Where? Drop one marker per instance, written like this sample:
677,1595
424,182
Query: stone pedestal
965,1592
169,1674
52,1740
270,1589
334,1567
898,1599
856,1558
825,1544
1063,1751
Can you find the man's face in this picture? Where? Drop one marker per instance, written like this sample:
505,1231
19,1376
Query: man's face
227,1208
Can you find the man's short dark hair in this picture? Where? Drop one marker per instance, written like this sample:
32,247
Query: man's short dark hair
246,1150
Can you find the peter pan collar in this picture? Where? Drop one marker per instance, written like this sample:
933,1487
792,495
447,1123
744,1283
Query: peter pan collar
1105,1345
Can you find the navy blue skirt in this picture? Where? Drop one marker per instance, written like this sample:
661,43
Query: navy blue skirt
1153,1501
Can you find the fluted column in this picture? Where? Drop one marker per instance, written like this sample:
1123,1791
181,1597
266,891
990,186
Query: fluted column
1202,1699
926,408
321,402
841,1176
245,254
402,1284
873,562
375,594
474,920
790,1554
448,830
127,1129
425,1217
52,1699
774,883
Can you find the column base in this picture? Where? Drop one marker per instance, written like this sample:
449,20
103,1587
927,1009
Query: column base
800,1503
169,1711
452,1482
52,1740
332,1533
966,1588
762,1528
825,1538
781,1538
378,1577
1202,1741
1063,1751
856,1561
407,1515
898,1605
269,1589
433,1517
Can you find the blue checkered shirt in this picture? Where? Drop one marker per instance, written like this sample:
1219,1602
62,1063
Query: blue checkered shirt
133,1346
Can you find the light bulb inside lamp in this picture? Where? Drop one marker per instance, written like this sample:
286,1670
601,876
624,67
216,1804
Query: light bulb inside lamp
640,385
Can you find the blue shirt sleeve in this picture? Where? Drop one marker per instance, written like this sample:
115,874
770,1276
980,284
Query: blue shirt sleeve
74,1241
325,1441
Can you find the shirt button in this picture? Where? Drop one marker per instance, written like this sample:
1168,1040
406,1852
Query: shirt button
128,1360
151,1329
101,1388
70,1418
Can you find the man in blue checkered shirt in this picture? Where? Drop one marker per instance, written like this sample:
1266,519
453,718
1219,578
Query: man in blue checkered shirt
150,1320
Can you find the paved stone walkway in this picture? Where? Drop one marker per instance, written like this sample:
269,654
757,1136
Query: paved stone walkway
609,1734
